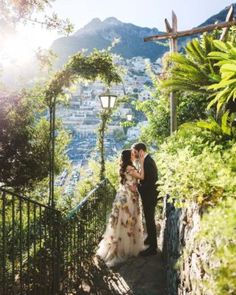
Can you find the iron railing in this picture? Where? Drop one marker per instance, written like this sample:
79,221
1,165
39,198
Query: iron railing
83,228
43,252
29,241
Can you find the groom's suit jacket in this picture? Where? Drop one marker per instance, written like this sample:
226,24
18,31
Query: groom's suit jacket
148,187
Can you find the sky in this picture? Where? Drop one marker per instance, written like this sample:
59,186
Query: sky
144,13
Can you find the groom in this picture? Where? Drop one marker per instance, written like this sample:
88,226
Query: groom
148,191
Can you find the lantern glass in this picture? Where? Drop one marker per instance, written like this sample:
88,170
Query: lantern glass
107,100
104,102
112,101
129,117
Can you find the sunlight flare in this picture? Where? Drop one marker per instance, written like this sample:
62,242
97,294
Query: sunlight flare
21,46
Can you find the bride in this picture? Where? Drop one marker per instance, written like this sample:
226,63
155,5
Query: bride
124,232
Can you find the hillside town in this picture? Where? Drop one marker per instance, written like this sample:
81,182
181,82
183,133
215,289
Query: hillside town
81,118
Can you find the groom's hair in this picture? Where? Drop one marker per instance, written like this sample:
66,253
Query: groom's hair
139,146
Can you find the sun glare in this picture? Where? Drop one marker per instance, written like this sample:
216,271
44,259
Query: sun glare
21,46
17,49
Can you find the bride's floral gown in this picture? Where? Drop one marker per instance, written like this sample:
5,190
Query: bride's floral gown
124,233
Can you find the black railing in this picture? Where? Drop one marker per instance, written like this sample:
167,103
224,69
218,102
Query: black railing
29,237
42,252
83,229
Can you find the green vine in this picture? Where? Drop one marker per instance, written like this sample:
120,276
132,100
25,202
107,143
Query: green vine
97,65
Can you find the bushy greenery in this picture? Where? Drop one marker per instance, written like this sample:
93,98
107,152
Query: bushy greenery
112,171
192,71
24,143
157,112
198,164
15,11
96,65
218,232
225,88
193,167
87,181
191,107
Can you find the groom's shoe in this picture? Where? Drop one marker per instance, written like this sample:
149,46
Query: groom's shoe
148,252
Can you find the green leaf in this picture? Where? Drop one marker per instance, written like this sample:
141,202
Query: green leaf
229,68
221,45
218,55
224,125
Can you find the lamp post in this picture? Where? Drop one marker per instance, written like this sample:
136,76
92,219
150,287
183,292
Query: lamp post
129,117
52,118
107,102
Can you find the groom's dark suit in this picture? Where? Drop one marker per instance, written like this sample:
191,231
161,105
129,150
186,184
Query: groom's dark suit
148,191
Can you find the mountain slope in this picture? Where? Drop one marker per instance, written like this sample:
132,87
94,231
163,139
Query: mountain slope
100,34
219,17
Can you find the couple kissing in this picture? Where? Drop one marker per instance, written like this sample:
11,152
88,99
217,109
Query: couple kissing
135,197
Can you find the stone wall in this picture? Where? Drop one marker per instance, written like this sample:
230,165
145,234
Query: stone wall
184,259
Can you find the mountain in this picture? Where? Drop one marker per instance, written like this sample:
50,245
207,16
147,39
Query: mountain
219,17
100,34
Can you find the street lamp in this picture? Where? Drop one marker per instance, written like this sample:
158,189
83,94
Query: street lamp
108,102
129,117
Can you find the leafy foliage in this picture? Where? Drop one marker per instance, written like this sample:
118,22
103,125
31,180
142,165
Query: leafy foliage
112,172
96,65
225,89
14,11
191,107
208,66
192,71
105,116
197,164
226,130
219,236
157,112
24,143
194,168
87,183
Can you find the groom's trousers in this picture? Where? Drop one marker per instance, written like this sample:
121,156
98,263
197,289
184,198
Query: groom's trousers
149,214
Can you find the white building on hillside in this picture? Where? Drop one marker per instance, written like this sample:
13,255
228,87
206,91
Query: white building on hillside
133,133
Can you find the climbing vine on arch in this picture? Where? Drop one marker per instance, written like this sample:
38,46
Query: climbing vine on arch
96,65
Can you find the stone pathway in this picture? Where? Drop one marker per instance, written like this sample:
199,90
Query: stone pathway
142,276
136,276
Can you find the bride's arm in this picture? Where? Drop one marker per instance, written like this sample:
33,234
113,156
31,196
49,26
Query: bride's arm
138,175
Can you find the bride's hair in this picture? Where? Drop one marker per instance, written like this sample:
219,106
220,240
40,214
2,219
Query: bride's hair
125,160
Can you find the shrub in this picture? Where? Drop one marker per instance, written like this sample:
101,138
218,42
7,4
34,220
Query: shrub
193,167
218,231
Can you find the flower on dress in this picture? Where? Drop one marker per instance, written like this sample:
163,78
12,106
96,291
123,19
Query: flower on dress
126,208
123,224
123,199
